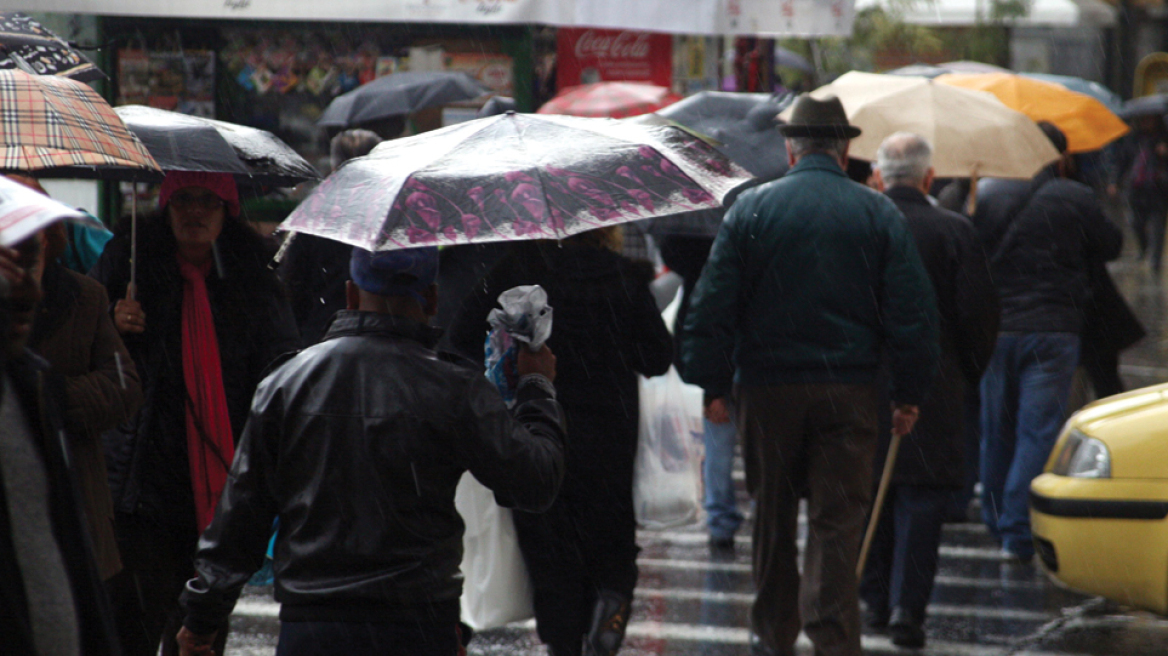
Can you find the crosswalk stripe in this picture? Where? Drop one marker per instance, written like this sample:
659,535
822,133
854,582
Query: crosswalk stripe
935,610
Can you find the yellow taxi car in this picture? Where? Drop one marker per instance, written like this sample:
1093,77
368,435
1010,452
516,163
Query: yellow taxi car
1099,512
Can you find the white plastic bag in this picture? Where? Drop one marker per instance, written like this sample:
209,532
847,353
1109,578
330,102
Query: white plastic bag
667,474
495,589
524,317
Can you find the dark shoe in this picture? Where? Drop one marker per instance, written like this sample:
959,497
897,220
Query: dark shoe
905,630
609,619
874,619
759,649
722,544
1013,558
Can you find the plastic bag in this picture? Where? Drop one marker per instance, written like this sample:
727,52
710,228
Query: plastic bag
495,589
667,472
525,317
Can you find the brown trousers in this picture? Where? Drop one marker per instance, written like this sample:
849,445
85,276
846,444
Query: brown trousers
815,441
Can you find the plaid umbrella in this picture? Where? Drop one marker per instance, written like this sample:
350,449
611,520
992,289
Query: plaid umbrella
26,41
61,128
611,99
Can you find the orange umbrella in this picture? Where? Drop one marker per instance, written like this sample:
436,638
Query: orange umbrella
1088,124
612,99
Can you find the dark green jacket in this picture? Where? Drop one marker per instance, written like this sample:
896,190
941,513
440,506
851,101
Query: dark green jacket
811,276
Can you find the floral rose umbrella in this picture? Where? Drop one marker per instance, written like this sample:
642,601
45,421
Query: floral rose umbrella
515,176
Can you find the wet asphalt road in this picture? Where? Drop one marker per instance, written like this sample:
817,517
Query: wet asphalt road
690,601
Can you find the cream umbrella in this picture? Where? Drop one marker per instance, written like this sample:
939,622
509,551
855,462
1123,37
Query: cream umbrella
973,134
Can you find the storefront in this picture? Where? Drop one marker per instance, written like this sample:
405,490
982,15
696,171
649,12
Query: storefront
281,76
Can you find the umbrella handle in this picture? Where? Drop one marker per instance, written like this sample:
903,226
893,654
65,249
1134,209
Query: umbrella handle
132,289
878,504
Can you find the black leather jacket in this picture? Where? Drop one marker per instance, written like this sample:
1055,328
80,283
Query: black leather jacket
357,444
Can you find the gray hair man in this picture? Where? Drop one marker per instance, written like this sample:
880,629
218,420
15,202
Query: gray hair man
902,564
810,279
905,160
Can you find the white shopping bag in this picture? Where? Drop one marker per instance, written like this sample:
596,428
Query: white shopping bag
495,589
667,474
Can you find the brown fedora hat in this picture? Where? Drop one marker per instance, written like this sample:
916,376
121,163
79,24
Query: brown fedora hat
819,118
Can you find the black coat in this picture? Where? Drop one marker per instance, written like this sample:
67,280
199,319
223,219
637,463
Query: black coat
1040,263
358,444
605,329
934,453
149,470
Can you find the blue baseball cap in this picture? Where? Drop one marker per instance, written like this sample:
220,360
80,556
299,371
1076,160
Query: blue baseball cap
407,272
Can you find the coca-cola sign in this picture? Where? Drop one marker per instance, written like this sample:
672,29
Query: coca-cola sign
605,44
587,55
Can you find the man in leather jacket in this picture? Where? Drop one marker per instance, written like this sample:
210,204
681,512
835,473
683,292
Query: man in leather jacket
357,444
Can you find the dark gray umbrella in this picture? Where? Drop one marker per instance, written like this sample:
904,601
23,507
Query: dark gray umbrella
180,142
495,106
1154,105
399,93
27,45
784,57
744,126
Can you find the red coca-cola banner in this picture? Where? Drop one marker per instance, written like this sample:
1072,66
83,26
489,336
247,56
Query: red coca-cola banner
587,55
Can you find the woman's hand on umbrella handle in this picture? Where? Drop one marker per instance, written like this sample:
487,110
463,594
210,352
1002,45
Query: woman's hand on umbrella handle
129,317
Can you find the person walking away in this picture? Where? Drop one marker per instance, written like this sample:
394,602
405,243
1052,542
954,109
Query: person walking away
51,596
316,269
811,277
902,563
582,553
686,255
357,444
1143,174
205,320
1040,270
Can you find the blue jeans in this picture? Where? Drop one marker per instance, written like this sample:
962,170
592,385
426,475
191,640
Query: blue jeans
721,501
1023,405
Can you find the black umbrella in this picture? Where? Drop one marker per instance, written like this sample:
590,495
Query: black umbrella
27,45
180,142
397,94
1154,105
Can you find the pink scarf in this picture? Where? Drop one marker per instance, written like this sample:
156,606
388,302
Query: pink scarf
210,444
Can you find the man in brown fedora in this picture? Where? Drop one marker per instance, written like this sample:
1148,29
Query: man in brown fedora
811,278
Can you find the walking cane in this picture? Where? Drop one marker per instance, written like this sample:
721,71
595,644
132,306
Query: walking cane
878,504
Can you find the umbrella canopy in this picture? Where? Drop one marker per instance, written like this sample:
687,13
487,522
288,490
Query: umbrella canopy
1154,105
971,132
1091,88
62,128
24,211
1086,122
514,176
497,105
45,53
189,143
743,123
397,94
964,66
790,59
610,99
919,70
